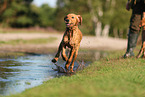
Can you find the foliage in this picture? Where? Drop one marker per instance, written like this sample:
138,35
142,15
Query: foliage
108,12
46,16
21,13
73,6
18,14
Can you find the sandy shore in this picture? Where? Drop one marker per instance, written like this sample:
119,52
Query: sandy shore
88,42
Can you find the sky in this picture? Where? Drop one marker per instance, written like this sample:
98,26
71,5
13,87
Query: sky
52,3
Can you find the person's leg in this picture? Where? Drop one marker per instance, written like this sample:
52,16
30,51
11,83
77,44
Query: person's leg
133,34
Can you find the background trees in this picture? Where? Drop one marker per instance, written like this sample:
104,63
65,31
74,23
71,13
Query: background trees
102,18
21,13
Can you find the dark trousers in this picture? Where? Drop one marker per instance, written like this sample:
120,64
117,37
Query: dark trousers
137,13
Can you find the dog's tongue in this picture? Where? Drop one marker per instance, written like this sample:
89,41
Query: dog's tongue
67,24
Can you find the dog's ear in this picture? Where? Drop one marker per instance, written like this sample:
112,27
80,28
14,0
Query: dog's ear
79,19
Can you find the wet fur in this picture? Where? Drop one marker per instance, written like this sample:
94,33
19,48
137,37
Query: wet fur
71,39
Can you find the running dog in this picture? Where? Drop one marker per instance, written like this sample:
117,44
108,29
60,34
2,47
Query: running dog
71,39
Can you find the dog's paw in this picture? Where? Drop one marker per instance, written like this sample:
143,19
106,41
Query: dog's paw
54,60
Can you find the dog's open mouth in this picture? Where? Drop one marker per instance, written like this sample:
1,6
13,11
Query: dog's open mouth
67,24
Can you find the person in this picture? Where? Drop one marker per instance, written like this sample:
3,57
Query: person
138,7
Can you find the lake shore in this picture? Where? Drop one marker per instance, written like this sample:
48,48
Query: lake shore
88,42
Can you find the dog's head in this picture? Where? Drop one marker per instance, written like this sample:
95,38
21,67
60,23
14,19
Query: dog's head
72,20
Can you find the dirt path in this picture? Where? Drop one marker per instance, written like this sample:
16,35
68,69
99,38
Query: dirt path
89,42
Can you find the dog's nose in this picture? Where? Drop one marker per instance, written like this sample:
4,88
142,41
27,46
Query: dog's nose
67,20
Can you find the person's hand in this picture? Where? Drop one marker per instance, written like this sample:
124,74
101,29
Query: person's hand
128,6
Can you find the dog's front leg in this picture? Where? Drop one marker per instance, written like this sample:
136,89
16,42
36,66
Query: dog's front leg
64,57
70,58
58,53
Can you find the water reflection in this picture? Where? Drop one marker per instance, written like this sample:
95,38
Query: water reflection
18,74
24,72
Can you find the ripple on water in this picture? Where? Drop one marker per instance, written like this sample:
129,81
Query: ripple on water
24,72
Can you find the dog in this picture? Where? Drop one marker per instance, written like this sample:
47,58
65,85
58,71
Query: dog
142,50
71,39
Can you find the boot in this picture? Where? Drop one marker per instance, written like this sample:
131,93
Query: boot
132,40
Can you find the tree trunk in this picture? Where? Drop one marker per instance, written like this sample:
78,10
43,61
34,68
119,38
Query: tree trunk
98,29
3,6
120,33
115,32
105,32
97,26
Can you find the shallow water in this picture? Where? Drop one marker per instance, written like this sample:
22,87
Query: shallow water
18,74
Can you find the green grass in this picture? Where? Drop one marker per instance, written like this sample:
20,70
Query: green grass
108,77
11,54
31,41
20,31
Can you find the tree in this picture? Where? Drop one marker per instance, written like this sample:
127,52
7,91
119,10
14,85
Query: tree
65,7
109,14
21,13
4,4
46,15
120,21
100,17
17,14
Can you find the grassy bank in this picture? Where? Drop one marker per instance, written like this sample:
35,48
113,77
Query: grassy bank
30,41
11,54
108,77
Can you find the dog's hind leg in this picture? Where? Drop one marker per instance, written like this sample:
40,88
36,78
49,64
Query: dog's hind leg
70,58
58,53
75,56
64,57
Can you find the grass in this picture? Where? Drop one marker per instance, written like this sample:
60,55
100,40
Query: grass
30,41
11,54
108,77
9,30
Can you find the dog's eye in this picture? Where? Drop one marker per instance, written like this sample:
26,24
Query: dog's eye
73,17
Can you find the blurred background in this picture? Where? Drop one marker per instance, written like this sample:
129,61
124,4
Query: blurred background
31,30
101,18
